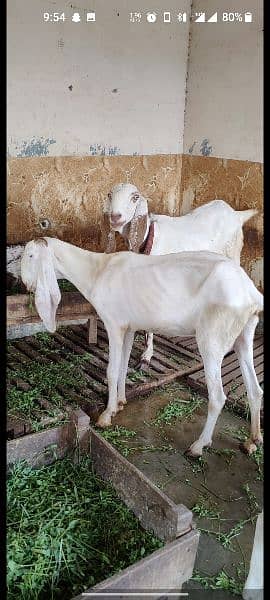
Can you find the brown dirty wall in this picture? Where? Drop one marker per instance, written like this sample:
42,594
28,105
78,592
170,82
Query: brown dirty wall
67,194
238,182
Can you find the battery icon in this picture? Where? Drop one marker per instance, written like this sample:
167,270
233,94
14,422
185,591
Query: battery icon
248,17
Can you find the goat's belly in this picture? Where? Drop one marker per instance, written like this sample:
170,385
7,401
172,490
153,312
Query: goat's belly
161,326
174,331
161,311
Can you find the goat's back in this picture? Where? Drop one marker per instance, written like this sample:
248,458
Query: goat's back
214,227
160,293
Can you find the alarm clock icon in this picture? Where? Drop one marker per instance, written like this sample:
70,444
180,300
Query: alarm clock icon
151,17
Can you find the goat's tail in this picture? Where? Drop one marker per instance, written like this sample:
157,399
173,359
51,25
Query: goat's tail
245,215
257,306
260,302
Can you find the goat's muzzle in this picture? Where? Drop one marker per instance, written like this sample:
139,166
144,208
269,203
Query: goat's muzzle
116,220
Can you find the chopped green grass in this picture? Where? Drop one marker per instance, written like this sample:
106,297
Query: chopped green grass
222,581
203,508
44,379
67,531
119,437
66,286
239,433
24,405
227,453
242,434
178,408
251,498
136,375
45,339
226,538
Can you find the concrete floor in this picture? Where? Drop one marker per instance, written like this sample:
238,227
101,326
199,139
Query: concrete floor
217,481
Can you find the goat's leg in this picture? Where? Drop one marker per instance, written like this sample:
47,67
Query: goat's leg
243,347
121,386
115,354
212,370
145,359
253,589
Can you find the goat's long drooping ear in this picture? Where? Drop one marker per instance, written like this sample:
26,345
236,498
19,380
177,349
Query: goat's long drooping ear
138,226
107,235
47,295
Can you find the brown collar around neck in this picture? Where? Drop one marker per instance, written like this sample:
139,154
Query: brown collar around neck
146,246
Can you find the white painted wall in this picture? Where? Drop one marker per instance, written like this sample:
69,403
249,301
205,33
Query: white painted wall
145,62
225,83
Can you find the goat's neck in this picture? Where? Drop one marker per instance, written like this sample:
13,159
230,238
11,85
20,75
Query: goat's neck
147,227
80,267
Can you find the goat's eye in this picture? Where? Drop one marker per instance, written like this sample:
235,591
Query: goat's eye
44,223
135,197
30,255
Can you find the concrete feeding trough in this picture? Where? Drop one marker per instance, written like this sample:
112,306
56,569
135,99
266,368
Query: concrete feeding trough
165,569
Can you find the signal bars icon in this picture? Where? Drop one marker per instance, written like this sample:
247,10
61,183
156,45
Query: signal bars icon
213,19
201,18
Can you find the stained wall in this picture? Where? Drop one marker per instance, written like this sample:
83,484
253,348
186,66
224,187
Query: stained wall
174,108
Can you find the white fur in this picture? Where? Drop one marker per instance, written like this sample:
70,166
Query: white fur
190,293
215,227
253,589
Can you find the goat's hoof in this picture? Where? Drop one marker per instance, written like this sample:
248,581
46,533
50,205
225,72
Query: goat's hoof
248,447
104,421
143,365
196,449
121,404
192,454
258,441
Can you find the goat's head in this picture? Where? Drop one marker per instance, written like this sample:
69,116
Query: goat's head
38,275
126,213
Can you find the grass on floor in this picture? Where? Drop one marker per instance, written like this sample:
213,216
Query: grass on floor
178,408
123,440
222,581
241,434
44,379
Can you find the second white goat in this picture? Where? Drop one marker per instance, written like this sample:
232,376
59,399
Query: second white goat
201,294
215,227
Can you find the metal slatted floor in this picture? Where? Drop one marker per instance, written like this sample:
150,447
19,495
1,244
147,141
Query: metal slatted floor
177,357
232,380
169,361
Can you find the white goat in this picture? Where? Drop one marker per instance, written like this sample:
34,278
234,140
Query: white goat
253,589
215,227
190,293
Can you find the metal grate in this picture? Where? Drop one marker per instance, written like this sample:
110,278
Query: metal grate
169,361
232,380
177,357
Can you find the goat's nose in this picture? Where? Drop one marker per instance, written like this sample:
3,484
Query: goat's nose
115,217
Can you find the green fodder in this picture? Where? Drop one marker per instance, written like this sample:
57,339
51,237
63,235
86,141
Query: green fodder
66,531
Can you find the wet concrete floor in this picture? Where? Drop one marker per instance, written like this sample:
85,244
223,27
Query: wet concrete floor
224,488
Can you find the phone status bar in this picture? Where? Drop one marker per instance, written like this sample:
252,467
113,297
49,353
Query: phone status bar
153,16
